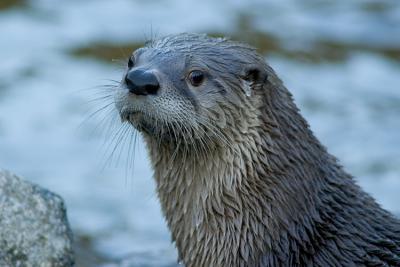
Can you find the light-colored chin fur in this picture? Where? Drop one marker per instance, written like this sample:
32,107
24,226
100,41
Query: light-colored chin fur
207,199
201,200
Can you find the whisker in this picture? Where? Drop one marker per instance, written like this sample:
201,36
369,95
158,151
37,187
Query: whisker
100,98
112,80
95,113
116,141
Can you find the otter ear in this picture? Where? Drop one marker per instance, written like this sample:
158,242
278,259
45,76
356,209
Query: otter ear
252,76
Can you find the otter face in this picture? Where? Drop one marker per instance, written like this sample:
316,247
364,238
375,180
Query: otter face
186,85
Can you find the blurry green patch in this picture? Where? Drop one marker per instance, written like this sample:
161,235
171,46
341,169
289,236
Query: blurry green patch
376,6
392,53
5,4
106,51
327,48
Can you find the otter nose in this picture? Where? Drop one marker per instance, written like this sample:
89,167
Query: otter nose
141,82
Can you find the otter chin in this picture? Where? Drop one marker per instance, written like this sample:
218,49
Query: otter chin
241,178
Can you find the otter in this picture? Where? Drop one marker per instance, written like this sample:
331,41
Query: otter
241,178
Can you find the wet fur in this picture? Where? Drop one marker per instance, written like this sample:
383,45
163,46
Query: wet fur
258,189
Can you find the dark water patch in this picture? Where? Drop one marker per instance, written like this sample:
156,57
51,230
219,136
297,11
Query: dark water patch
313,104
28,72
330,47
85,253
377,6
383,106
7,4
378,168
2,130
145,259
106,52
319,3
4,87
87,256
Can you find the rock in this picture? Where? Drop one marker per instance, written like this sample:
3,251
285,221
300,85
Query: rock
34,229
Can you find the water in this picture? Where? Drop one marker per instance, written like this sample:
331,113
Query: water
340,59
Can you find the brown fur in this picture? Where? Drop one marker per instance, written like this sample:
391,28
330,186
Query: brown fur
264,191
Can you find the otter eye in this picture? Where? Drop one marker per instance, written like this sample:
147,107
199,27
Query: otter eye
196,77
130,62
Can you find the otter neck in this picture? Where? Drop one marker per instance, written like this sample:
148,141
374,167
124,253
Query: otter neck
230,207
201,200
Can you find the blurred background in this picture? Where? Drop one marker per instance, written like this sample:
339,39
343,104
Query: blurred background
340,59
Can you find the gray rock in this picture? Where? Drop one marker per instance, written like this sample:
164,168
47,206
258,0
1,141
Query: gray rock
34,229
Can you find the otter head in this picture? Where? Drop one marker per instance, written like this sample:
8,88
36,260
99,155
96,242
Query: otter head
186,88
219,100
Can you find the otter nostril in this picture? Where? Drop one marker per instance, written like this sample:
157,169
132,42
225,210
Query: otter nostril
141,82
152,88
128,82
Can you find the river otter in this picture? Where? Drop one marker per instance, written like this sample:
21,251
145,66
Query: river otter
241,178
